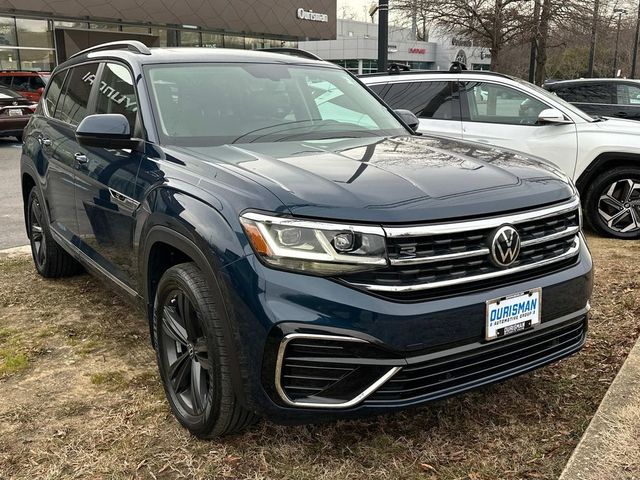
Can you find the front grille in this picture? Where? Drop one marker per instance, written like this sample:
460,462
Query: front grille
442,377
432,260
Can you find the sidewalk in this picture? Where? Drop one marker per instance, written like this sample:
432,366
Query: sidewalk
610,447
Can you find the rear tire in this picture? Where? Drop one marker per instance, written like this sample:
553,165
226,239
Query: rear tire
193,356
50,260
612,203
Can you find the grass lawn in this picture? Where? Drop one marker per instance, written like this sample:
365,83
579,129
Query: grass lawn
80,397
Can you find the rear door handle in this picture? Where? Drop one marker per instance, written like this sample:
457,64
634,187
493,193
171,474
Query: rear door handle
622,114
81,158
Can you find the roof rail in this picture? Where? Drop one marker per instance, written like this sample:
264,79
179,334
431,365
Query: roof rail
132,45
434,72
294,52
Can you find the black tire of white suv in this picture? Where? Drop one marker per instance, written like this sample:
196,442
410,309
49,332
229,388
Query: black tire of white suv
612,203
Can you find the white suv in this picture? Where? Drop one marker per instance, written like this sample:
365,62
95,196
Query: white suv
601,155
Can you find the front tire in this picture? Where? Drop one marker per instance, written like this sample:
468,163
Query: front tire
612,203
50,260
192,355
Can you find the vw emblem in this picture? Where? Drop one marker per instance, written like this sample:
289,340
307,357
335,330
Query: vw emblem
15,102
505,246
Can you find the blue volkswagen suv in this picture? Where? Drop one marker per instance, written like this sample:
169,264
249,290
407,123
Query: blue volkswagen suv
299,252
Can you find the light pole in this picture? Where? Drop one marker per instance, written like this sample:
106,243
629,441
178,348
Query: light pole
620,12
383,32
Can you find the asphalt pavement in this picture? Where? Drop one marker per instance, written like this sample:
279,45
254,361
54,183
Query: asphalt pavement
12,233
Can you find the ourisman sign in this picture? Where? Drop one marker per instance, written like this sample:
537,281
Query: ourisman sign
303,14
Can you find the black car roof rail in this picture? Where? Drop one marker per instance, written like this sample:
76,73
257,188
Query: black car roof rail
21,70
133,45
295,52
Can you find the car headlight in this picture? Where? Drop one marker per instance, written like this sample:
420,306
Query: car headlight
319,248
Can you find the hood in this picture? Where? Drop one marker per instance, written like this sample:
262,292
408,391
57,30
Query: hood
390,180
618,125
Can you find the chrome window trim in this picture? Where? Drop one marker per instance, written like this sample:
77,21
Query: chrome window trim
573,251
485,223
350,403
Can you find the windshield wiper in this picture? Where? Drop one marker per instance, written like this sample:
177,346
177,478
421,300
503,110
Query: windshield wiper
285,124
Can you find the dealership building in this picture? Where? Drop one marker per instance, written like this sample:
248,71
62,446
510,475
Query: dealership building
356,48
38,34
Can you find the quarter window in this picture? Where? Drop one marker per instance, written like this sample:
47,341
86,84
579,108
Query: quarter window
425,99
77,89
491,103
53,93
628,94
116,93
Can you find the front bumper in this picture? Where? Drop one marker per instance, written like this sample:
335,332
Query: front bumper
388,355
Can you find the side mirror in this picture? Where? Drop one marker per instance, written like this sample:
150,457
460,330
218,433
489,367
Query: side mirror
551,115
40,91
409,118
106,130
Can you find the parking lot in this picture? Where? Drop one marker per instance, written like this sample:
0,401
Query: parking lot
82,398
12,233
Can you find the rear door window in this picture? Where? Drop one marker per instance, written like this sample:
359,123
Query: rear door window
588,93
116,93
5,80
53,93
435,100
73,106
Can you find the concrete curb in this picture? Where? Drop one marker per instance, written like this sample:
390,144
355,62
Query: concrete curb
15,251
610,446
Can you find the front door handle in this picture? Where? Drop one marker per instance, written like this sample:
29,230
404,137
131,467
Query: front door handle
81,158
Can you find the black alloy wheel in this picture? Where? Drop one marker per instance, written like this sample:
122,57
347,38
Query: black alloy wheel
193,356
186,354
612,203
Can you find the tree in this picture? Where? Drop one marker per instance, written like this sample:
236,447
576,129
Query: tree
494,23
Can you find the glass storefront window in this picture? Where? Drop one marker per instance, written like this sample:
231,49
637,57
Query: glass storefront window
7,31
231,41
60,24
131,29
34,33
212,40
42,60
189,38
105,26
252,43
8,59
161,33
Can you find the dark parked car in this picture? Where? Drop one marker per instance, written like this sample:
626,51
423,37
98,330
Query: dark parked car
15,111
605,97
299,252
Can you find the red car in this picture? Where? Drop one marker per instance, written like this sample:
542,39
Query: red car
29,84
15,111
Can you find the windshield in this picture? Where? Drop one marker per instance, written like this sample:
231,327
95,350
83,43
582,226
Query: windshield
216,104
555,98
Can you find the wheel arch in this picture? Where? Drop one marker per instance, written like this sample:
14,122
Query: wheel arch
167,247
602,163
28,182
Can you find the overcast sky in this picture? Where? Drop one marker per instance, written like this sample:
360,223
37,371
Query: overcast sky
358,8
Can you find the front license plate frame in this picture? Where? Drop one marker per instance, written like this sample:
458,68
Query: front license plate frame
515,313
